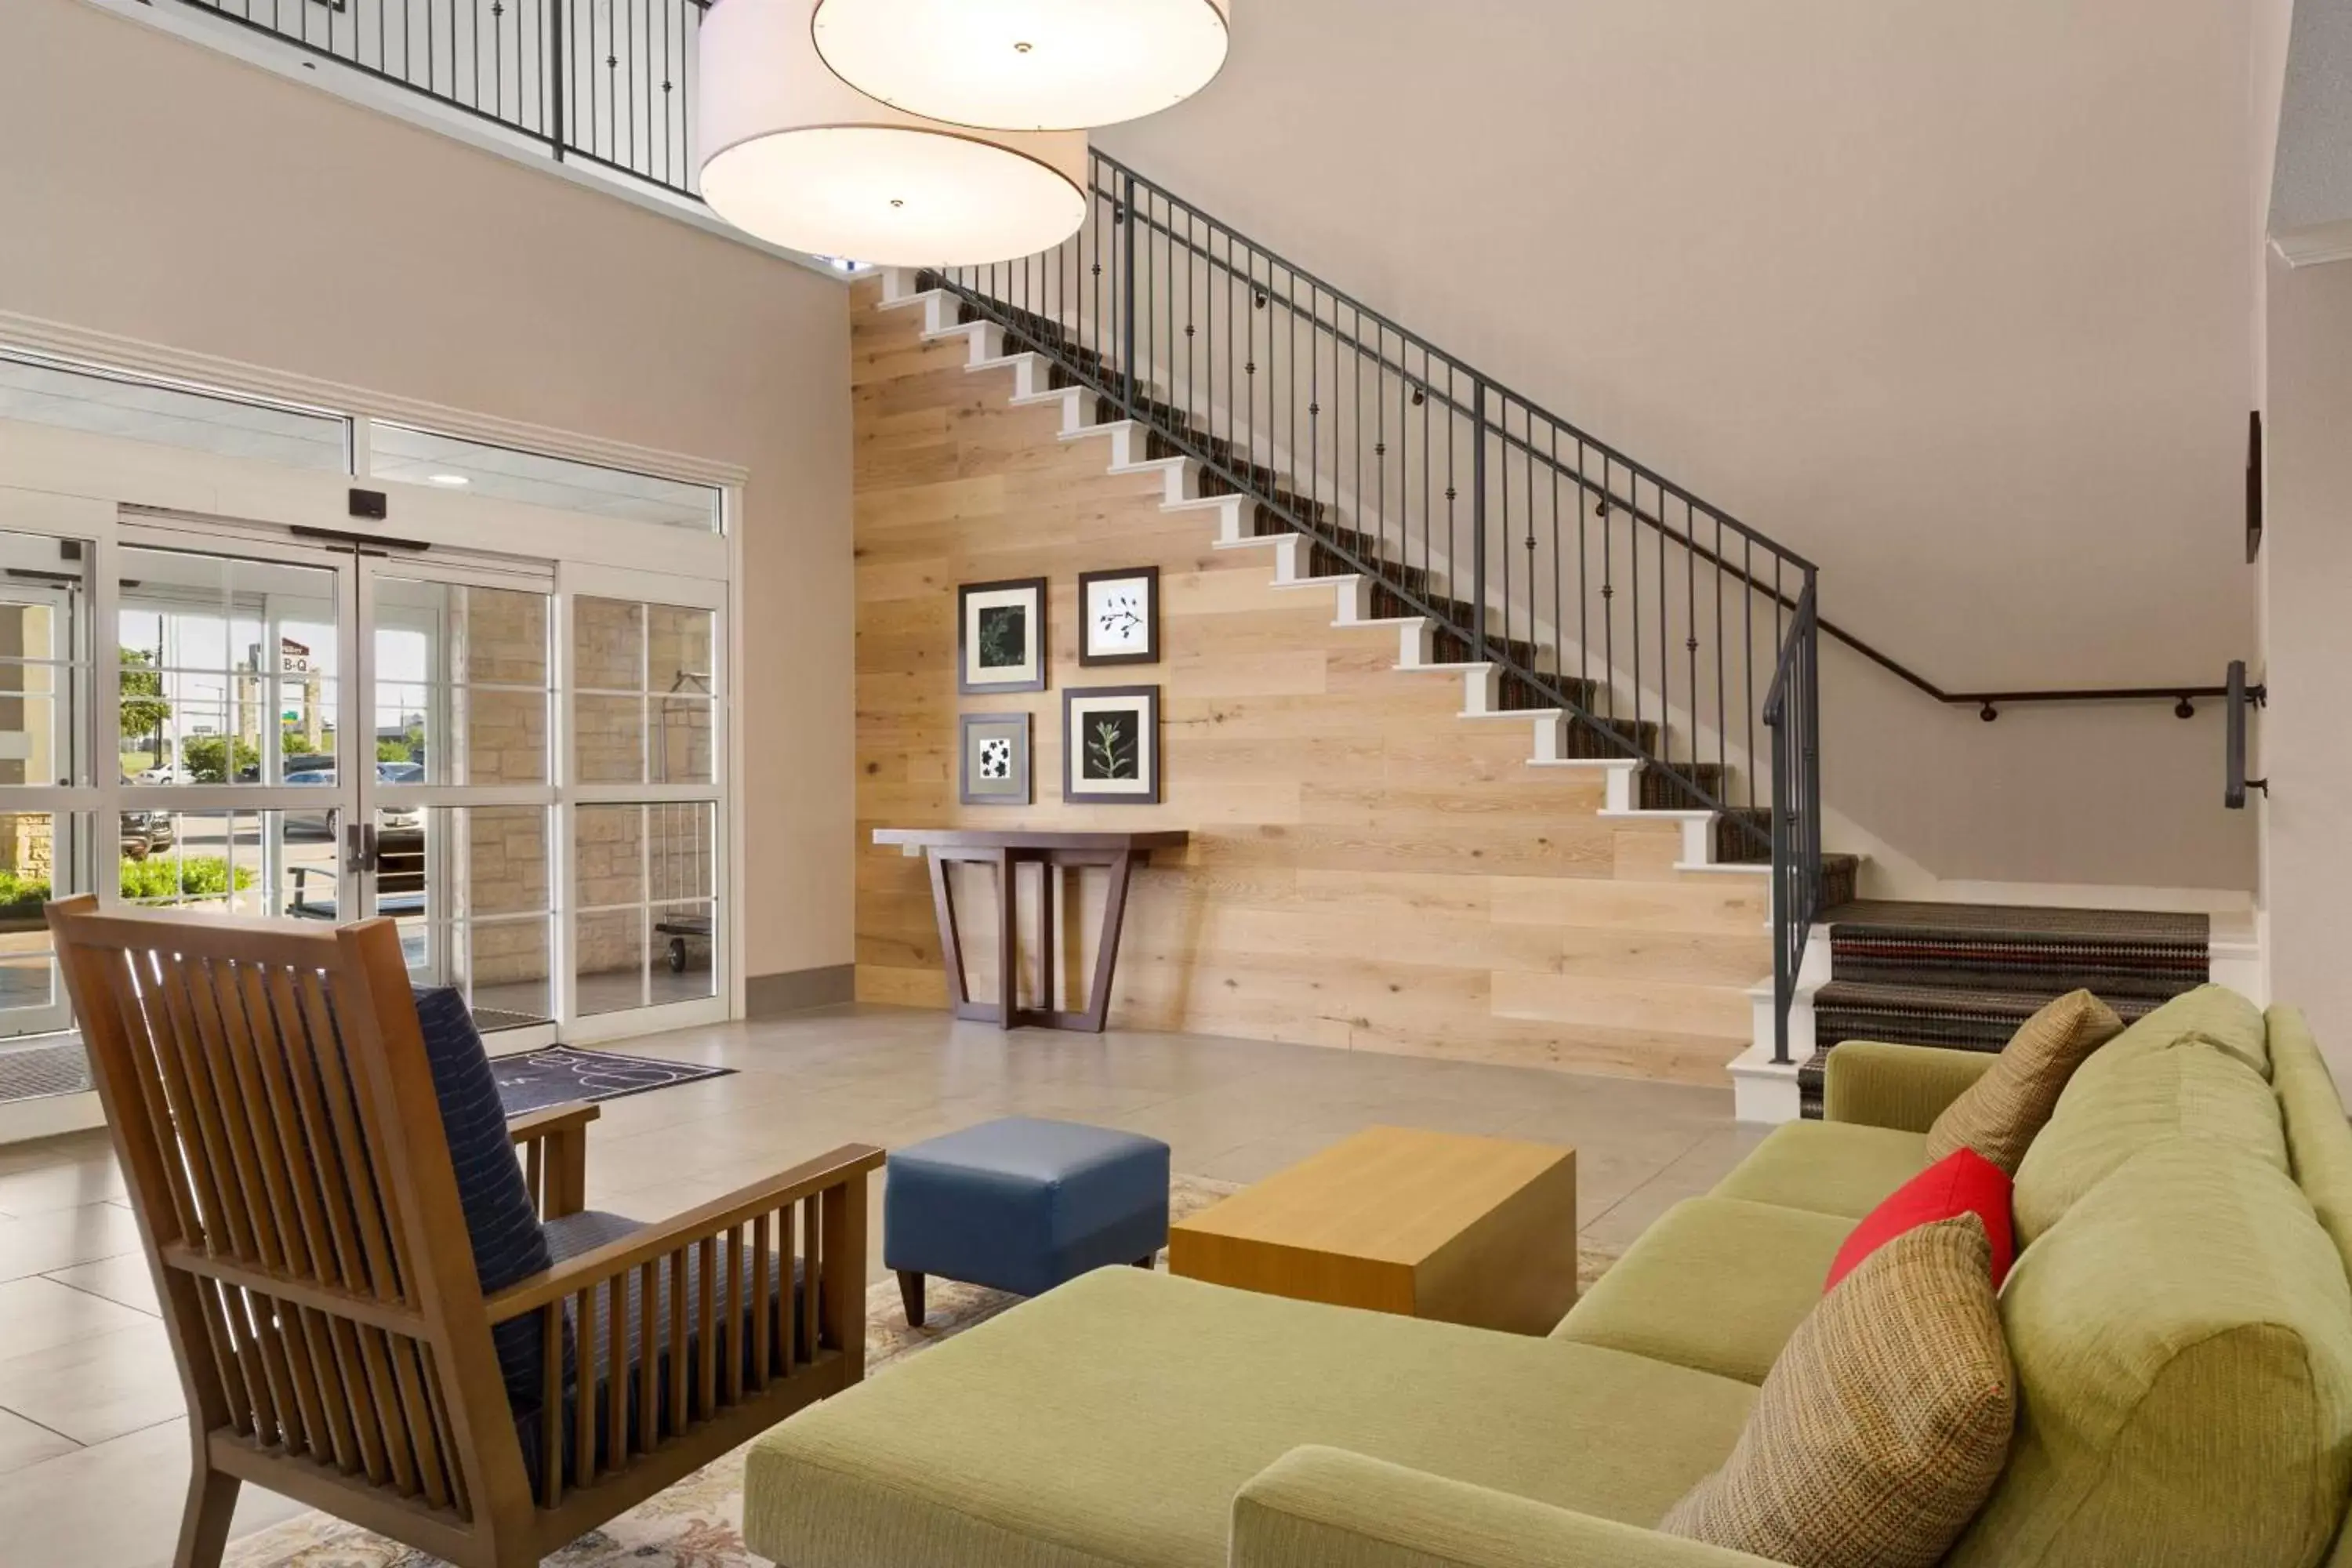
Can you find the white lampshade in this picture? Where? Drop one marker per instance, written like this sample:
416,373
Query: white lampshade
798,157
1025,65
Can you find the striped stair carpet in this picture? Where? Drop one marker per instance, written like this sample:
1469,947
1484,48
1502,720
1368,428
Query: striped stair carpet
1964,976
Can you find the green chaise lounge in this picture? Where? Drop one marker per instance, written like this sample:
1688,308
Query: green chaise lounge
2179,1318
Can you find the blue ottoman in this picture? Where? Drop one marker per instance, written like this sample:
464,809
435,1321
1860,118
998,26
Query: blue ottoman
1022,1204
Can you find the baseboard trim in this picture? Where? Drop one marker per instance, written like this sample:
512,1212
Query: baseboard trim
796,990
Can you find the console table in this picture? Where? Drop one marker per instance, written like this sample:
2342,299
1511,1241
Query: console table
1005,850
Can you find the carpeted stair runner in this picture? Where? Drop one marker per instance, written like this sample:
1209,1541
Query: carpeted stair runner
1964,976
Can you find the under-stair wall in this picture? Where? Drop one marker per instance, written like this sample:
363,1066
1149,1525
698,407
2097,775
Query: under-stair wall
1369,869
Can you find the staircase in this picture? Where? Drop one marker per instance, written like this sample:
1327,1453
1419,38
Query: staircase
1638,626
1964,976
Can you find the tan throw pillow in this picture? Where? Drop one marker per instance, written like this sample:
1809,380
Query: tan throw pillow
2001,1112
1882,1427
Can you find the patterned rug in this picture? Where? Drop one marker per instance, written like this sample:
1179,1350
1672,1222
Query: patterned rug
698,1522
560,1075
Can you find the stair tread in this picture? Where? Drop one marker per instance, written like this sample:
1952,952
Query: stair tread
1858,993
1988,920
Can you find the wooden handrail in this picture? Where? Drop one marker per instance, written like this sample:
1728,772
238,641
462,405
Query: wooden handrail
707,1223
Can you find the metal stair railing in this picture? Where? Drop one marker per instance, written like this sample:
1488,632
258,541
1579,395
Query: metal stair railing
1660,629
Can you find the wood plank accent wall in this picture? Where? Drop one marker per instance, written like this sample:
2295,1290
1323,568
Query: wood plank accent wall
1366,872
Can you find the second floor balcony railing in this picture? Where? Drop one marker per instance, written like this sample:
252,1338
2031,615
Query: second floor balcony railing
608,82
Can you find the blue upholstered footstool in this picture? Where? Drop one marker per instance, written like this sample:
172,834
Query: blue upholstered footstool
1022,1204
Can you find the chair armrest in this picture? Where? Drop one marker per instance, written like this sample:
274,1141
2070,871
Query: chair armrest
795,1281
1903,1088
813,1178
554,1144
1323,1508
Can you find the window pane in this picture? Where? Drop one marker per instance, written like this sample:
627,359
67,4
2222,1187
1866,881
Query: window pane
469,886
680,966
681,740
461,694
608,855
608,645
228,668
41,856
679,850
475,467
44,662
677,650
108,403
218,862
609,745
610,973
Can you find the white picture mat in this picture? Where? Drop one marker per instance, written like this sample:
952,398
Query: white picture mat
1099,594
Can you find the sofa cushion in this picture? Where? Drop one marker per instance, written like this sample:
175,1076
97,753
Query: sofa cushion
500,1222
2183,1342
2214,1015
1963,1181
1828,1167
1884,1422
2191,1089
1114,1419
2311,1116
1716,1284
1998,1115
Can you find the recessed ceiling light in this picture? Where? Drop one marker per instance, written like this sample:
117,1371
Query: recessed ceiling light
451,480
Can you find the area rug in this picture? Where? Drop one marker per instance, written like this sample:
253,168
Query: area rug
699,1523
561,1075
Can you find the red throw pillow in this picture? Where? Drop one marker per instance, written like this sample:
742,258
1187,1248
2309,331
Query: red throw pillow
1963,1181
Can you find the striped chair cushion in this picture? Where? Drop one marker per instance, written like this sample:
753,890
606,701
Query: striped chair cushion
509,1243
1883,1426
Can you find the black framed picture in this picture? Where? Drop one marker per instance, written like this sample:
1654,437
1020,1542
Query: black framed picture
1111,744
994,765
1001,635
1119,616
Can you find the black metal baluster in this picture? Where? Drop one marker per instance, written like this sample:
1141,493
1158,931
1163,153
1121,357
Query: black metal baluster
1608,583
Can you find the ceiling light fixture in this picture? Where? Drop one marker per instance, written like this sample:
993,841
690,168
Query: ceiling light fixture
801,159
451,480
1025,65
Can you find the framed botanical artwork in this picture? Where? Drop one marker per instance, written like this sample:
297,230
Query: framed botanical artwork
995,769
1001,635
1111,744
1119,616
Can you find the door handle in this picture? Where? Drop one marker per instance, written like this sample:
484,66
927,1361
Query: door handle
359,846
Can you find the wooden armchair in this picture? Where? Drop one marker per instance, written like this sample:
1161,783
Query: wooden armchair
270,1098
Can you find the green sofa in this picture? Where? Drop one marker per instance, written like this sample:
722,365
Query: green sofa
2179,1316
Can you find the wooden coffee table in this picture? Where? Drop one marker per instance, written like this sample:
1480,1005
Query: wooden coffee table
1431,1225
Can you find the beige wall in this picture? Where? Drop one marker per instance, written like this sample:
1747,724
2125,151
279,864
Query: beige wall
162,192
1953,300
2306,734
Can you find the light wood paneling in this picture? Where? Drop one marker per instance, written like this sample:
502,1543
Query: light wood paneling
1367,871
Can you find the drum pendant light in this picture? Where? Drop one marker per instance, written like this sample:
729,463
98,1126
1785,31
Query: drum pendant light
795,156
1025,65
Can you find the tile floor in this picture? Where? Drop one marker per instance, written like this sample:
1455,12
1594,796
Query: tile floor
93,1446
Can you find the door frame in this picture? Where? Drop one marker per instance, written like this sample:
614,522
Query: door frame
110,492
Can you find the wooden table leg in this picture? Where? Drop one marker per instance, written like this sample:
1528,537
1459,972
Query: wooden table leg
1097,1014
960,1000
1049,877
1008,940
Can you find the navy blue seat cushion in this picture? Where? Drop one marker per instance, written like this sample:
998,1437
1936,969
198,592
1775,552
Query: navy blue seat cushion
509,1243
1023,1203
574,1234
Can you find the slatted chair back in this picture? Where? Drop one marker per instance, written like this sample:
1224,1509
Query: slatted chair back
272,1106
